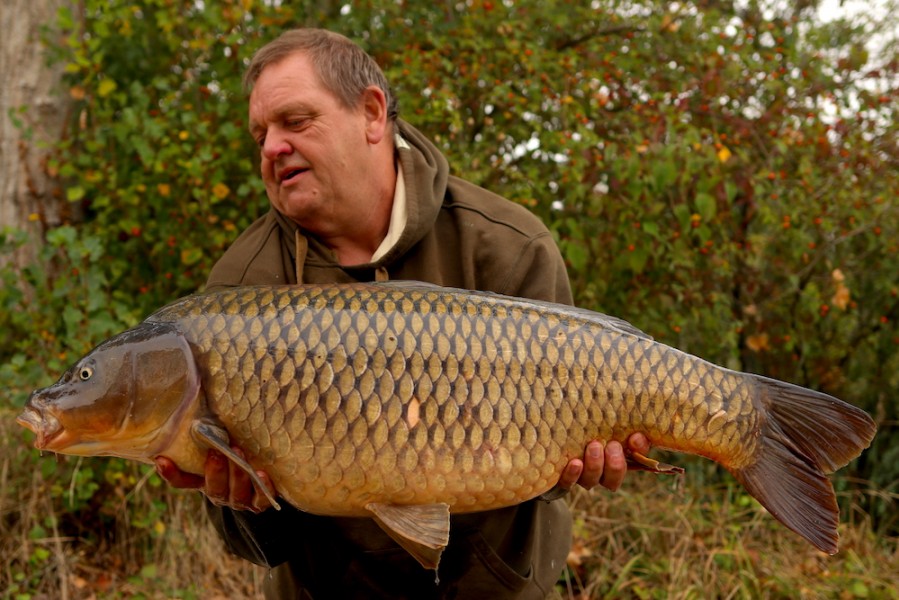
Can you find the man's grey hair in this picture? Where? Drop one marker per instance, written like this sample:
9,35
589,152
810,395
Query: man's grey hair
343,67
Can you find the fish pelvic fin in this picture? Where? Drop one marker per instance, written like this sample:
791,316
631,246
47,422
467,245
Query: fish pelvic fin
807,434
423,530
216,437
638,462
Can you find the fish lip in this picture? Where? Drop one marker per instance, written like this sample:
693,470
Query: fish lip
44,425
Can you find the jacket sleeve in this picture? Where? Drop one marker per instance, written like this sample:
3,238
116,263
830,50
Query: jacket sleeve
260,255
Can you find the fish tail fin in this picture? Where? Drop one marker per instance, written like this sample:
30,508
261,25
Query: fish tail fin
806,435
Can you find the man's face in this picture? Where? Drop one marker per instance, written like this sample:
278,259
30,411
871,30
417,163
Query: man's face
313,148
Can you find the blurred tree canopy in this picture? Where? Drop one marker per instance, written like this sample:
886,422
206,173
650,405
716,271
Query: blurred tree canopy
723,174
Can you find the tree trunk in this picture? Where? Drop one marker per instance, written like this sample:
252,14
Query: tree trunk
33,110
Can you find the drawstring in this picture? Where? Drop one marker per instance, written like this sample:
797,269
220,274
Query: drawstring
301,246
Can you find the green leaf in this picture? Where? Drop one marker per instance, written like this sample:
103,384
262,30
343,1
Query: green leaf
74,193
63,236
860,590
64,18
73,318
576,255
683,215
637,259
40,554
150,571
706,206
664,174
651,228
191,256
106,87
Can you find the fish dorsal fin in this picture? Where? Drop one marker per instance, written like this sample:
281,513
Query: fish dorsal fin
216,437
607,321
423,530
412,285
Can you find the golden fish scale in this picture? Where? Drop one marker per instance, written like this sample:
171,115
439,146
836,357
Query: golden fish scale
347,396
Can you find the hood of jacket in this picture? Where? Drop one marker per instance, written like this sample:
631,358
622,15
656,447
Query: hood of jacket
426,175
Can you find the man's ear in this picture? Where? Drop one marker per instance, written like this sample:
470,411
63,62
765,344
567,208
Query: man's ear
374,107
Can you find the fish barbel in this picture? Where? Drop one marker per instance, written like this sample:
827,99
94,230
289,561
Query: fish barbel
405,402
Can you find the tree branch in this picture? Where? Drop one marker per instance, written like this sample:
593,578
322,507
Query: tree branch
567,43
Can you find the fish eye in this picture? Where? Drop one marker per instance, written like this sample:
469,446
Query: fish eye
85,373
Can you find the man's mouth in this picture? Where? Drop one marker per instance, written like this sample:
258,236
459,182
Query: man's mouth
290,173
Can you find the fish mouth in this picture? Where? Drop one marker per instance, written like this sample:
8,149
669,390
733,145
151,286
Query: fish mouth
45,426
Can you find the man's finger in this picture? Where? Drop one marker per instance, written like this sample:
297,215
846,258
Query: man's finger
169,471
216,470
639,443
260,500
240,489
615,466
594,460
571,474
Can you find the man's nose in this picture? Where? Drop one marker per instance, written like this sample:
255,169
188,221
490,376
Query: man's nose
275,145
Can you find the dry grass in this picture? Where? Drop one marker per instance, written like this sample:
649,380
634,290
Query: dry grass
44,555
659,537
187,562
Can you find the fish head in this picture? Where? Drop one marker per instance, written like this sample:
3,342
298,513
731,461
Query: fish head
124,398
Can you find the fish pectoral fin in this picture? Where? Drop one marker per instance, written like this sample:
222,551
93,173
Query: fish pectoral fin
638,462
423,530
216,437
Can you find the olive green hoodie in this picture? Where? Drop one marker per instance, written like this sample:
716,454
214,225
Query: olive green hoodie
456,234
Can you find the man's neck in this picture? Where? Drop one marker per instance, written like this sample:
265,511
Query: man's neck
373,229
357,242
352,253
359,234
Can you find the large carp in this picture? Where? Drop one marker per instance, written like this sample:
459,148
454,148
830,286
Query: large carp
405,402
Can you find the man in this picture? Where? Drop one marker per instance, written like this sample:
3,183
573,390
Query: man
358,195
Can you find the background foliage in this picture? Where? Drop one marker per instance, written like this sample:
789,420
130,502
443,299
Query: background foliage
722,174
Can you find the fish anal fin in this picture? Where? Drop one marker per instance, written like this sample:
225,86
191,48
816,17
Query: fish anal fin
216,437
422,530
638,462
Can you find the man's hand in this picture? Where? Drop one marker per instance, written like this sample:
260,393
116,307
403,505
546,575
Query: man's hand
602,466
223,482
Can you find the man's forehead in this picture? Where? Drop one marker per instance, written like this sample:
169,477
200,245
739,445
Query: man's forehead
297,64
273,110
287,86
